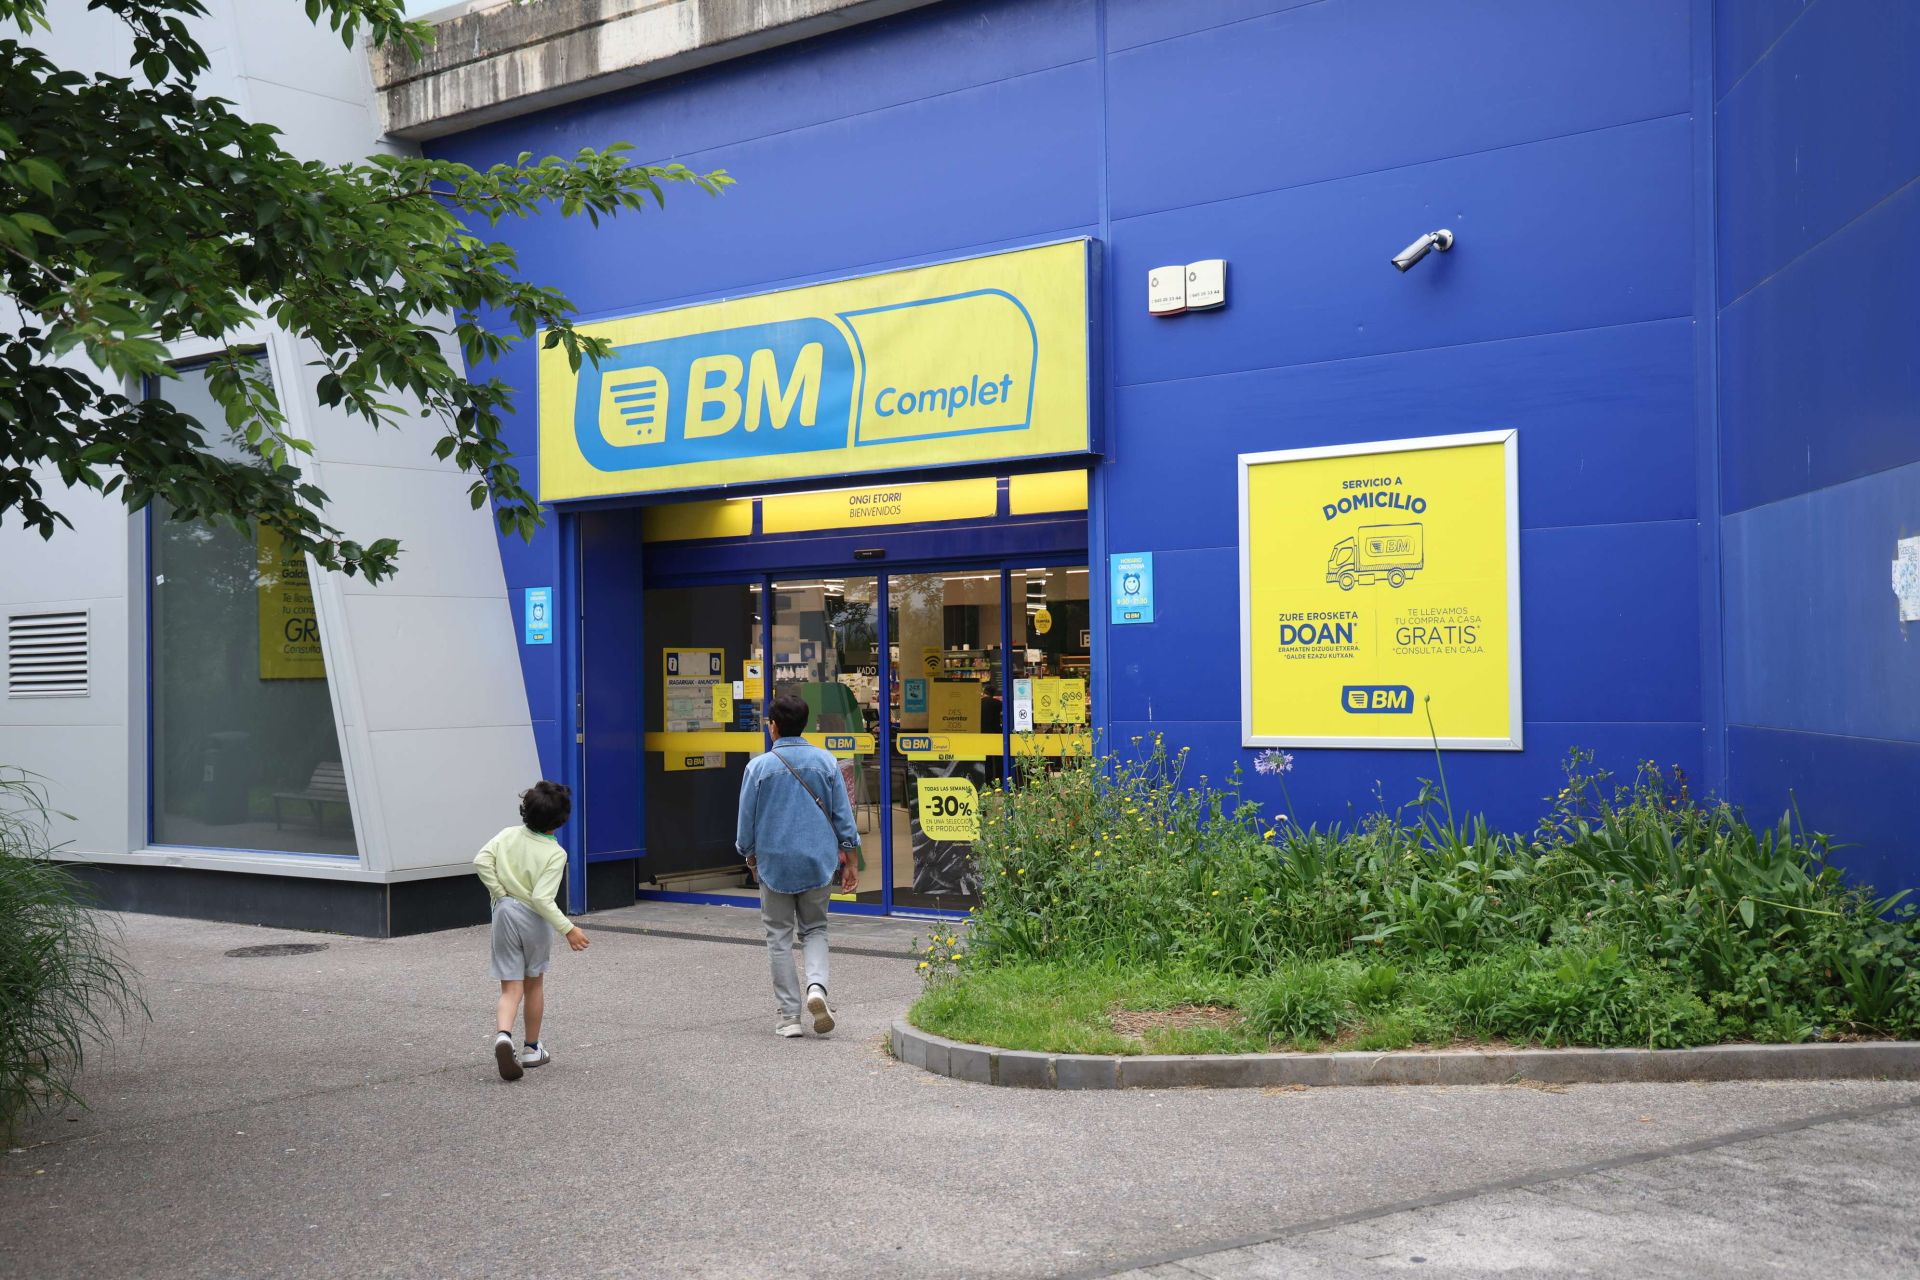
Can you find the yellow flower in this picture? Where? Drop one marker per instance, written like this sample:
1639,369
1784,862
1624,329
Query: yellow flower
1269,834
923,964
1096,853
1019,871
1216,893
956,955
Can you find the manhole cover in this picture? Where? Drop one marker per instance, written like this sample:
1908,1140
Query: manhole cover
277,949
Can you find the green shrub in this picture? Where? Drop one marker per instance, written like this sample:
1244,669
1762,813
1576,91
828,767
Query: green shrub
62,982
1631,915
1304,1004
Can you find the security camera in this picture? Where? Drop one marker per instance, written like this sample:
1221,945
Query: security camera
1441,240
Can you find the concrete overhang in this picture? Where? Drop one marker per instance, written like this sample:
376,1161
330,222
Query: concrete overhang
493,61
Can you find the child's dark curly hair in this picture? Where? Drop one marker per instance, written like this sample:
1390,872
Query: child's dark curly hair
546,806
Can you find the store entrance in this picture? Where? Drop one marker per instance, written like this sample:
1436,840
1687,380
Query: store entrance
927,684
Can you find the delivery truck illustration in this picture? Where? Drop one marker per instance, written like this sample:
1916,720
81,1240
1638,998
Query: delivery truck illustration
1376,551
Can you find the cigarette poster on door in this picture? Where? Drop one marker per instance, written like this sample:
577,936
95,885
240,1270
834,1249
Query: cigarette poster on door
1380,582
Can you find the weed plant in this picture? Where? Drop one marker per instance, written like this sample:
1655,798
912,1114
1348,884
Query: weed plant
63,984
1633,915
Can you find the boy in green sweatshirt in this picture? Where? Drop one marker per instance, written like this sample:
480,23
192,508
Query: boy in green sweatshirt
521,868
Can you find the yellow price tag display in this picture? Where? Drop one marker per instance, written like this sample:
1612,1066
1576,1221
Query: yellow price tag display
949,809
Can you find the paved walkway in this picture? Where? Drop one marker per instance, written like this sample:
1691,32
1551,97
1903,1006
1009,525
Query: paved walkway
337,1114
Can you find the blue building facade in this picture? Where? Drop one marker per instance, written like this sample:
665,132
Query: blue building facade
1679,276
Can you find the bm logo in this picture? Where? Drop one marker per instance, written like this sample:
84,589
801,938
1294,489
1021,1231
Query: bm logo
1376,699
786,387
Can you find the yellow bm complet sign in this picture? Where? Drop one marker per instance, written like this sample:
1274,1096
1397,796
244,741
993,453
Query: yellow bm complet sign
1379,581
973,361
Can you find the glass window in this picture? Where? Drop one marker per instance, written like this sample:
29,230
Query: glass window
947,724
244,750
702,643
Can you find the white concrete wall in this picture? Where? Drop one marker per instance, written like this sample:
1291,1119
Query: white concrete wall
424,672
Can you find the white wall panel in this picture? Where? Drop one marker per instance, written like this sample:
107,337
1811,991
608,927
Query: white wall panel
86,562
450,790
84,769
435,662
431,515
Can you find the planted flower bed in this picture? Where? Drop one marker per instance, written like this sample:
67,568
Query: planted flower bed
1126,910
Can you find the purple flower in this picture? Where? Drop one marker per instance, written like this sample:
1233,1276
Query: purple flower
1273,762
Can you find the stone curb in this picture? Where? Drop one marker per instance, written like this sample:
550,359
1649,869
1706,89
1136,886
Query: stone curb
1019,1068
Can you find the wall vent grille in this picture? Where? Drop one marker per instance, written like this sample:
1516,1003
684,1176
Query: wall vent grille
47,655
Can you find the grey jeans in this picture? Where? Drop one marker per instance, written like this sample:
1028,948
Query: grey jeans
784,914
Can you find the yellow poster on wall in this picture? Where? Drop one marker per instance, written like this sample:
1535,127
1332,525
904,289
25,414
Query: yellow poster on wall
289,626
1380,582
975,361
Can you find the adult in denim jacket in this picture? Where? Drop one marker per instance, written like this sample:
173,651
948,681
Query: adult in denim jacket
797,833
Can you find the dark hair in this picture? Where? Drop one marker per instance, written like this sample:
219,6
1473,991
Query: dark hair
790,712
546,806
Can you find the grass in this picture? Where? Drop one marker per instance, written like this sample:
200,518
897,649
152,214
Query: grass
1550,996
63,984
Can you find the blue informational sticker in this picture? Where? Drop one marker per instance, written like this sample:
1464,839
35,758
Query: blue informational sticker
1132,589
539,628
913,700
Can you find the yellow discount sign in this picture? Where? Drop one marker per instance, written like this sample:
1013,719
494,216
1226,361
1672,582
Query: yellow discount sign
1380,582
949,809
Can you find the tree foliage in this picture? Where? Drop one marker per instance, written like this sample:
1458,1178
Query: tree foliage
135,214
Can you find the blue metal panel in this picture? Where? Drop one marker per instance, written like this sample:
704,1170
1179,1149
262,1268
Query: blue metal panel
1330,90
1136,22
1609,624
1824,127
1574,233
612,655
1814,642
1185,664
936,176
1745,29
1605,417
1819,382
1818,209
1859,790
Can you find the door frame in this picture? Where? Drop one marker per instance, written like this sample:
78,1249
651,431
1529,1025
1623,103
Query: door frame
1048,556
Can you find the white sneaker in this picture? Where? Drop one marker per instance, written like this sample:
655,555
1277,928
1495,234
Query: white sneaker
505,1058
535,1056
817,1006
788,1029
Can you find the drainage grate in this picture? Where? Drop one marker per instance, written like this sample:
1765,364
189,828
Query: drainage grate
277,949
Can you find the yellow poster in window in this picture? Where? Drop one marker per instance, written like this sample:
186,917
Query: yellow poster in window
953,706
1046,700
289,626
1380,582
949,809
1073,701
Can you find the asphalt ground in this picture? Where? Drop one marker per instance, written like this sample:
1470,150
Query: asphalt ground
338,1113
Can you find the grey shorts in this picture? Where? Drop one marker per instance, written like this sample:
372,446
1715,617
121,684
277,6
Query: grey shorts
522,941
